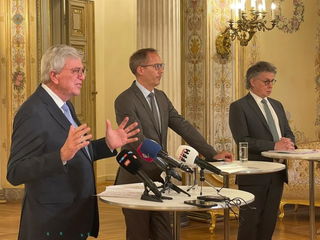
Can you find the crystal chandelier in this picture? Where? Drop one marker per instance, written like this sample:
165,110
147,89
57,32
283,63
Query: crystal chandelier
244,24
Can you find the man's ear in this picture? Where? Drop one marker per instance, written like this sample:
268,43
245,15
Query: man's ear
53,77
251,82
140,70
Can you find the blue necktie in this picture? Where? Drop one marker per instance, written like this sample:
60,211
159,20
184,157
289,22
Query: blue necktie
270,121
67,113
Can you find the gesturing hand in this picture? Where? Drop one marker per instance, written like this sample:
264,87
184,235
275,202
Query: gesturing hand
77,138
122,135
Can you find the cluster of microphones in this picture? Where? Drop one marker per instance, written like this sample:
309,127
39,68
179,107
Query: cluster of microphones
151,151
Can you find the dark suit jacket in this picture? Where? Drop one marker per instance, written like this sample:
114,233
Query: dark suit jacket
59,199
248,124
133,104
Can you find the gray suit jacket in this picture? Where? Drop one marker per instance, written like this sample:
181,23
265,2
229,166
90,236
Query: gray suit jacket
133,104
59,199
248,124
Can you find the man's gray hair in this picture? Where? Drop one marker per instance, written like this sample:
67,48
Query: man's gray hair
257,68
54,59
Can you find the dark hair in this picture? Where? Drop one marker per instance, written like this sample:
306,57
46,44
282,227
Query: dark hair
139,58
257,68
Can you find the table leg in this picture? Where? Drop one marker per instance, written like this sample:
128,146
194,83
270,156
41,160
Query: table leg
311,201
176,226
226,210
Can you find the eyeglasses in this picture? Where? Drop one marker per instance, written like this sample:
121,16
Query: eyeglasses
78,71
156,66
268,82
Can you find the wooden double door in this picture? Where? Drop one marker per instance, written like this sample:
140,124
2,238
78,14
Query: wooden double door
72,22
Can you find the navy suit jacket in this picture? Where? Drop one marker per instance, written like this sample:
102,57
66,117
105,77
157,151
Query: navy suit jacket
59,199
248,124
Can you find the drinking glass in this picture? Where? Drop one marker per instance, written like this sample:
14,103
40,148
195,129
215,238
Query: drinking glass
243,151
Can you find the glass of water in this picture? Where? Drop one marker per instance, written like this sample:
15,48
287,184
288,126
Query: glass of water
243,151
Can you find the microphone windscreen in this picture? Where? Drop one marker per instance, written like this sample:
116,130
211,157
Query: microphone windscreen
142,155
150,148
187,154
128,160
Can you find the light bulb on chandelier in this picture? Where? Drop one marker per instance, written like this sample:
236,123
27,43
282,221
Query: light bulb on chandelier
244,23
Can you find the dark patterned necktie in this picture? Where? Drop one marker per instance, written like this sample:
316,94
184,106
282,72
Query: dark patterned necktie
154,109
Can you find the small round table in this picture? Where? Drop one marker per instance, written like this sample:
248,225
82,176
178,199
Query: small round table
311,156
243,168
128,196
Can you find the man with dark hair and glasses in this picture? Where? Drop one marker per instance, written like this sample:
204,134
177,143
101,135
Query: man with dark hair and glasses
137,103
261,121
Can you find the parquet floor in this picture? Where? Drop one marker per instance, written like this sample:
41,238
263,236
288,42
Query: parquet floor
295,225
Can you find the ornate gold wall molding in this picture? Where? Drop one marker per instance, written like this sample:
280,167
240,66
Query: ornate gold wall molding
221,79
207,82
292,24
4,66
317,72
18,68
193,62
18,53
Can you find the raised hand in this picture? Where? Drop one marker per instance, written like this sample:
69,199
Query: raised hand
122,135
77,138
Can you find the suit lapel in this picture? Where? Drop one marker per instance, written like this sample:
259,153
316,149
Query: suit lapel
57,114
161,110
252,103
146,106
53,109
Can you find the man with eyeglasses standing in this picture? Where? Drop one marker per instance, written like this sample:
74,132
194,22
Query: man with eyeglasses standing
154,112
52,154
261,121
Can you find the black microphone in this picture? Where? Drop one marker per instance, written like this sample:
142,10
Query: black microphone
166,168
128,160
153,150
189,155
160,163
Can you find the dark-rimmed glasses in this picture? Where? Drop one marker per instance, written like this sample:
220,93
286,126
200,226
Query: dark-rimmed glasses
156,66
268,82
78,71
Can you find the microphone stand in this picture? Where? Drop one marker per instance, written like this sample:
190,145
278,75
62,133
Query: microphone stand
169,185
194,179
145,195
202,180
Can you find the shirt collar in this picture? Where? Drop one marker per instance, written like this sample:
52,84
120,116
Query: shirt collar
144,91
257,98
54,96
